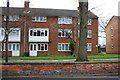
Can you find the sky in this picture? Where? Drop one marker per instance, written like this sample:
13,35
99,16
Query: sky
102,8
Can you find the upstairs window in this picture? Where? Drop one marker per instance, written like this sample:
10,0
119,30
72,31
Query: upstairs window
38,33
89,46
89,22
12,18
39,19
89,34
2,32
14,33
112,46
64,33
64,20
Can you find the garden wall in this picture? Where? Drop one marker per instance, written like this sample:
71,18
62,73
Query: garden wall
60,69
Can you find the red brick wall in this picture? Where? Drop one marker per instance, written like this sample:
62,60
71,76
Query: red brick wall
113,40
60,69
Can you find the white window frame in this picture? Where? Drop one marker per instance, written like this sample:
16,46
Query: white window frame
15,32
39,19
16,47
64,48
112,46
33,46
89,45
64,32
12,18
64,20
89,22
89,34
36,30
9,47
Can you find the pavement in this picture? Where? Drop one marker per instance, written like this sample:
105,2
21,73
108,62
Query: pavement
64,59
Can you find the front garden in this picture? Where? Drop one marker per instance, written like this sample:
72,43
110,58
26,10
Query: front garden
61,59
99,56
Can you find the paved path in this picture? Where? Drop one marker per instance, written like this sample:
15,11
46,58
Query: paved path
65,59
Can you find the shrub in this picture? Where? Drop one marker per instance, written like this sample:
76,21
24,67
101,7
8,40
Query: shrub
72,47
26,54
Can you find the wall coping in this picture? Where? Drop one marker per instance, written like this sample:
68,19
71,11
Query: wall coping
66,63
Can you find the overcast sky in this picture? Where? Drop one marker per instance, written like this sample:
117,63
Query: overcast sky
103,8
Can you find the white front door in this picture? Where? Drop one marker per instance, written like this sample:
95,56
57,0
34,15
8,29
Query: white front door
15,49
33,49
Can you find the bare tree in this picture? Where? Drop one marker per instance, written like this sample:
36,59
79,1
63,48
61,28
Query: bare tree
11,26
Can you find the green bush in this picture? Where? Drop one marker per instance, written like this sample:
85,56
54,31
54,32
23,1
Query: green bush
72,47
26,54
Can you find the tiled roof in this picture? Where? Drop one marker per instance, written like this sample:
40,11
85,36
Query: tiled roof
46,12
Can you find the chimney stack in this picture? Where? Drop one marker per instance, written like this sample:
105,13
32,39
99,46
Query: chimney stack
26,6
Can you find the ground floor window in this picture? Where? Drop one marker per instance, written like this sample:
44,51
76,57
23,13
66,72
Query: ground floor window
63,47
89,46
11,46
39,47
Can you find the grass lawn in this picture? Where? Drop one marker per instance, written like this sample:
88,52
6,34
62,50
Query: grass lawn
103,56
99,56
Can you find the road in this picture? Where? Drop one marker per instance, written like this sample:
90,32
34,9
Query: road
69,78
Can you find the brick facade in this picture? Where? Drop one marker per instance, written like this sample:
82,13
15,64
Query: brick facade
113,36
25,22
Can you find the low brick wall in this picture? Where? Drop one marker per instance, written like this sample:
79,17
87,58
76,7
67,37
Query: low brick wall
60,69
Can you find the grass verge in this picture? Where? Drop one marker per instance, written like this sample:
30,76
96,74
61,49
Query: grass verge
99,56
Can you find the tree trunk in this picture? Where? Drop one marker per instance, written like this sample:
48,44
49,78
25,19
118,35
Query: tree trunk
82,52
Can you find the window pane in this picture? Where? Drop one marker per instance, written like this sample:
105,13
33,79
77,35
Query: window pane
66,47
17,48
2,32
89,47
31,47
42,33
38,46
45,46
59,47
38,33
89,21
4,46
42,47
35,34
89,34
17,32
45,33
63,47
31,32
13,46
34,46
59,33
9,47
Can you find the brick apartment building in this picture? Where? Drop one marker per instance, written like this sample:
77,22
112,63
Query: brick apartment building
113,36
45,31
